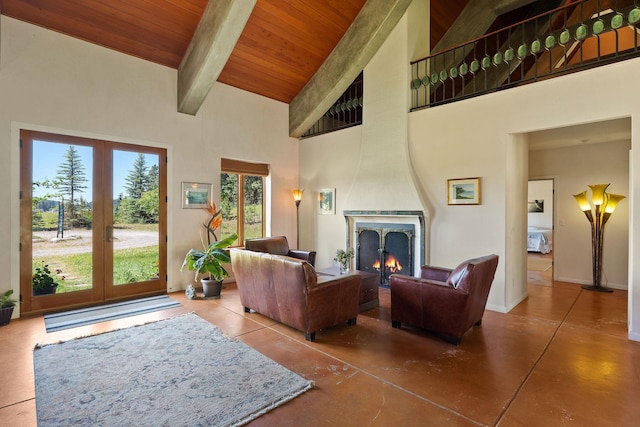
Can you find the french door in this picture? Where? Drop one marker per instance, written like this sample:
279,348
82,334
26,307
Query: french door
92,221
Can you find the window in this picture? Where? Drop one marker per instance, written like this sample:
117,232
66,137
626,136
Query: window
242,198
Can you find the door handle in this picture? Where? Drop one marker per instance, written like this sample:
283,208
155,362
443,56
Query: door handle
109,234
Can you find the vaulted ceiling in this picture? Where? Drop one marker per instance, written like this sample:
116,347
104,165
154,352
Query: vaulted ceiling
281,47
279,50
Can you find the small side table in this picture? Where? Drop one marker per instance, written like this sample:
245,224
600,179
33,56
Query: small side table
368,287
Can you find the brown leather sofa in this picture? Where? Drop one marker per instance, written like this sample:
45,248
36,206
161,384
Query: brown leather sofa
288,290
445,301
279,245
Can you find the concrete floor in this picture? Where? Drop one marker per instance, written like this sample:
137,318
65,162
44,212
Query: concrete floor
561,357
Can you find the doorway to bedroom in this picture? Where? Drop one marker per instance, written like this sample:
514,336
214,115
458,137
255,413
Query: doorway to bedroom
540,208
575,157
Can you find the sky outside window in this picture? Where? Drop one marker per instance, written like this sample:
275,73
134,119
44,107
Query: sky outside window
48,156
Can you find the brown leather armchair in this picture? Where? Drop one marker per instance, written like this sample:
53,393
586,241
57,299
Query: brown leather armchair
442,300
278,245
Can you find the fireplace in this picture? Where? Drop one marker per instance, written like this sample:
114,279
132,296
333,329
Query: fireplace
386,242
385,249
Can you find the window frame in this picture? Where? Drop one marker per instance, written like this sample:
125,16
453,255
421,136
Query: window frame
243,169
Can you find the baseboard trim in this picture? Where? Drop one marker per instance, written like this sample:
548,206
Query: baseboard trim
497,308
634,336
621,287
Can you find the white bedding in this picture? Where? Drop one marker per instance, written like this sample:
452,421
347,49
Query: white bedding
539,240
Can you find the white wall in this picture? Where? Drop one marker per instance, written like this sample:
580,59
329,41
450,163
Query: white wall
541,189
52,82
482,129
368,165
573,169
385,171
486,137
327,161
384,130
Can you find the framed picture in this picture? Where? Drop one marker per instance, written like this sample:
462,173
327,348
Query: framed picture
463,191
535,205
195,195
327,201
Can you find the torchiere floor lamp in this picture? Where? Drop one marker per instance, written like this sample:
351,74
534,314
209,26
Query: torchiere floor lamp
604,204
297,197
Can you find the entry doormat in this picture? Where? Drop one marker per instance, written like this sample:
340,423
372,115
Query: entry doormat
177,372
103,313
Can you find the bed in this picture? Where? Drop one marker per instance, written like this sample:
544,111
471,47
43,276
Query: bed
539,240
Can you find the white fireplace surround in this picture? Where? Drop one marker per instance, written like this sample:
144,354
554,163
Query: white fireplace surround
416,218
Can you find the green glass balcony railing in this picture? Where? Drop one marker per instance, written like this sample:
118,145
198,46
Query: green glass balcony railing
344,113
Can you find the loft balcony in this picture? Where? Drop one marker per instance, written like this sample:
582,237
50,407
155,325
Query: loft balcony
574,37
344,113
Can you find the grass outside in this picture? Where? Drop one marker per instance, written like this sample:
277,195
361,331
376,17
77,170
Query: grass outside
75,270
250,230
49,220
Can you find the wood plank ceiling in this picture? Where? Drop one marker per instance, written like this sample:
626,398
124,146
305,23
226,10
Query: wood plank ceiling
281,47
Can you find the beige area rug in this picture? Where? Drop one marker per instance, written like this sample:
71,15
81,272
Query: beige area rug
176,372
539,264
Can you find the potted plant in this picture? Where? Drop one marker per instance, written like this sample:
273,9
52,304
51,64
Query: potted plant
209,260
6,307
344,259
214,222
42,281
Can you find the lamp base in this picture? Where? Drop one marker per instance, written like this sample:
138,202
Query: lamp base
596,288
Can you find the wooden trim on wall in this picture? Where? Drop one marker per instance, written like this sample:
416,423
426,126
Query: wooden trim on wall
242,167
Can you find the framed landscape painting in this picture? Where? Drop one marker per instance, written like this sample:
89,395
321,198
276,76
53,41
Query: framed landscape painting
195,195
463,191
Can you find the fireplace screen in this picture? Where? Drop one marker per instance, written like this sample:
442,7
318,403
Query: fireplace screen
385,249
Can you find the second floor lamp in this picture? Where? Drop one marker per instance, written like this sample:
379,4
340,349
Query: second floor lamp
603,206
297,197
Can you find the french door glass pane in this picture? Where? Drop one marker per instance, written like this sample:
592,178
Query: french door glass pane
252,206
135,217
62,217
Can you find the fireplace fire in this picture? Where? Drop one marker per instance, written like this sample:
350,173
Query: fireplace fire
385,249
392,265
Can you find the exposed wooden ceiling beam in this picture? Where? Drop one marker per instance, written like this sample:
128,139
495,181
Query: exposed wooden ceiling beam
217,34
369,30
475,20
501,7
